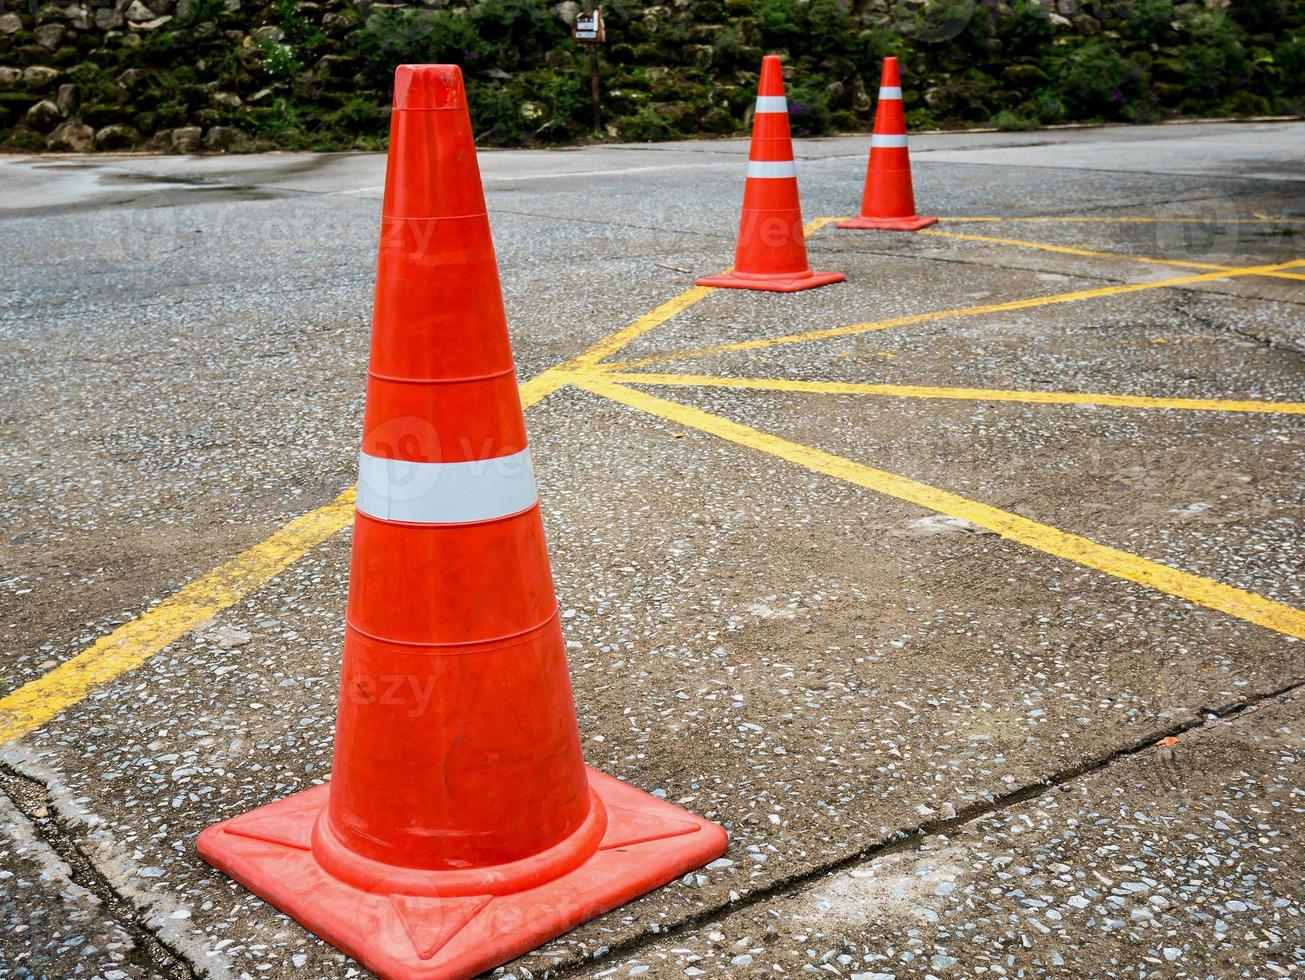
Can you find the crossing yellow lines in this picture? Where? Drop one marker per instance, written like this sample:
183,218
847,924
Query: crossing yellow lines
1091,254
135,642
960,394
614,343
1071,547
904,321
654,318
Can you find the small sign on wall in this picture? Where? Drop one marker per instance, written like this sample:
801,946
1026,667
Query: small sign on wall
589,27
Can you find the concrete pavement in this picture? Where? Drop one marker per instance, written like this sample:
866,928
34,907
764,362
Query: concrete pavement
882,690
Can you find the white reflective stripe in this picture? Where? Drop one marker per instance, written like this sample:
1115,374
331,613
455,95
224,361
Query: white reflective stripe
890,92
772,103
771,168
880,140
445,493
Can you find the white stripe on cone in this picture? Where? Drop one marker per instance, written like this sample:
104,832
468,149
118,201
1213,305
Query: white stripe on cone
884,141
445,493
772,103
772,168
890,92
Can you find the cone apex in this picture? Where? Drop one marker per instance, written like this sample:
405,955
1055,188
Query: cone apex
429,87
772,76
891,75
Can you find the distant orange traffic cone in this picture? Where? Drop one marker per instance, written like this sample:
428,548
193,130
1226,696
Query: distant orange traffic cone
461,827
772,251
889,200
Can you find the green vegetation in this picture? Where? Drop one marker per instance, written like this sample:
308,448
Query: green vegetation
302,74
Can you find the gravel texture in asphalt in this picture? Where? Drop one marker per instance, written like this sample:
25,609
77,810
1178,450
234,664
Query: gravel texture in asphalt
933,745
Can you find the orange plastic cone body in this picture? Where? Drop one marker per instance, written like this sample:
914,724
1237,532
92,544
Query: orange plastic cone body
889,200
461,827
772,251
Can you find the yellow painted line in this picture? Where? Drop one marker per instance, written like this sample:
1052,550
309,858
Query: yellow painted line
135,642
1091,254
905,321
615,342
1071,547
541,386
960,394
1121,219
815,224
655,318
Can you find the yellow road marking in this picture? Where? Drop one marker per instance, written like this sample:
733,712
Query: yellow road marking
904,321
1091,254
135,642
615,342
815,224
961,394
610,345
1121,219
1071,547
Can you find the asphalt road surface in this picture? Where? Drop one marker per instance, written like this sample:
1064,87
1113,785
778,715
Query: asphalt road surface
967,594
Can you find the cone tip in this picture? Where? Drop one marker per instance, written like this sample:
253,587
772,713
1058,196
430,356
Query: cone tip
771,81
429,87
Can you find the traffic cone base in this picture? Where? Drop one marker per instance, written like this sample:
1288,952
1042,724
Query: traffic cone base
458,923
914,223
771,283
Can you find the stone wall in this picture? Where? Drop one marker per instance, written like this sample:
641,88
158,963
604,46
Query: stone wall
210,75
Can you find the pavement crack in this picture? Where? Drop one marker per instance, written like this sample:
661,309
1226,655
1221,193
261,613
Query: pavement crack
1260,338
149,952
911,838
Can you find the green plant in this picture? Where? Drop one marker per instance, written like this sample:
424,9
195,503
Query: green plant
199,11
808,113
283,121
299,31
648,125
279,60
1009,120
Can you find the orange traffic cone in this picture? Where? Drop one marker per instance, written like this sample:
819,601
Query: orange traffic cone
461,827
889,201
771,252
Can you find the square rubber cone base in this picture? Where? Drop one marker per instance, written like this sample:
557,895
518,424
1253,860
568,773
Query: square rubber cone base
914,223
772,284
647,842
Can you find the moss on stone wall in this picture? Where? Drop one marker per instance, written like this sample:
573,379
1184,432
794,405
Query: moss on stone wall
187,75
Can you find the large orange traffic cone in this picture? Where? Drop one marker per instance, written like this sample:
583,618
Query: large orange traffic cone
771,252
461,827
889,200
